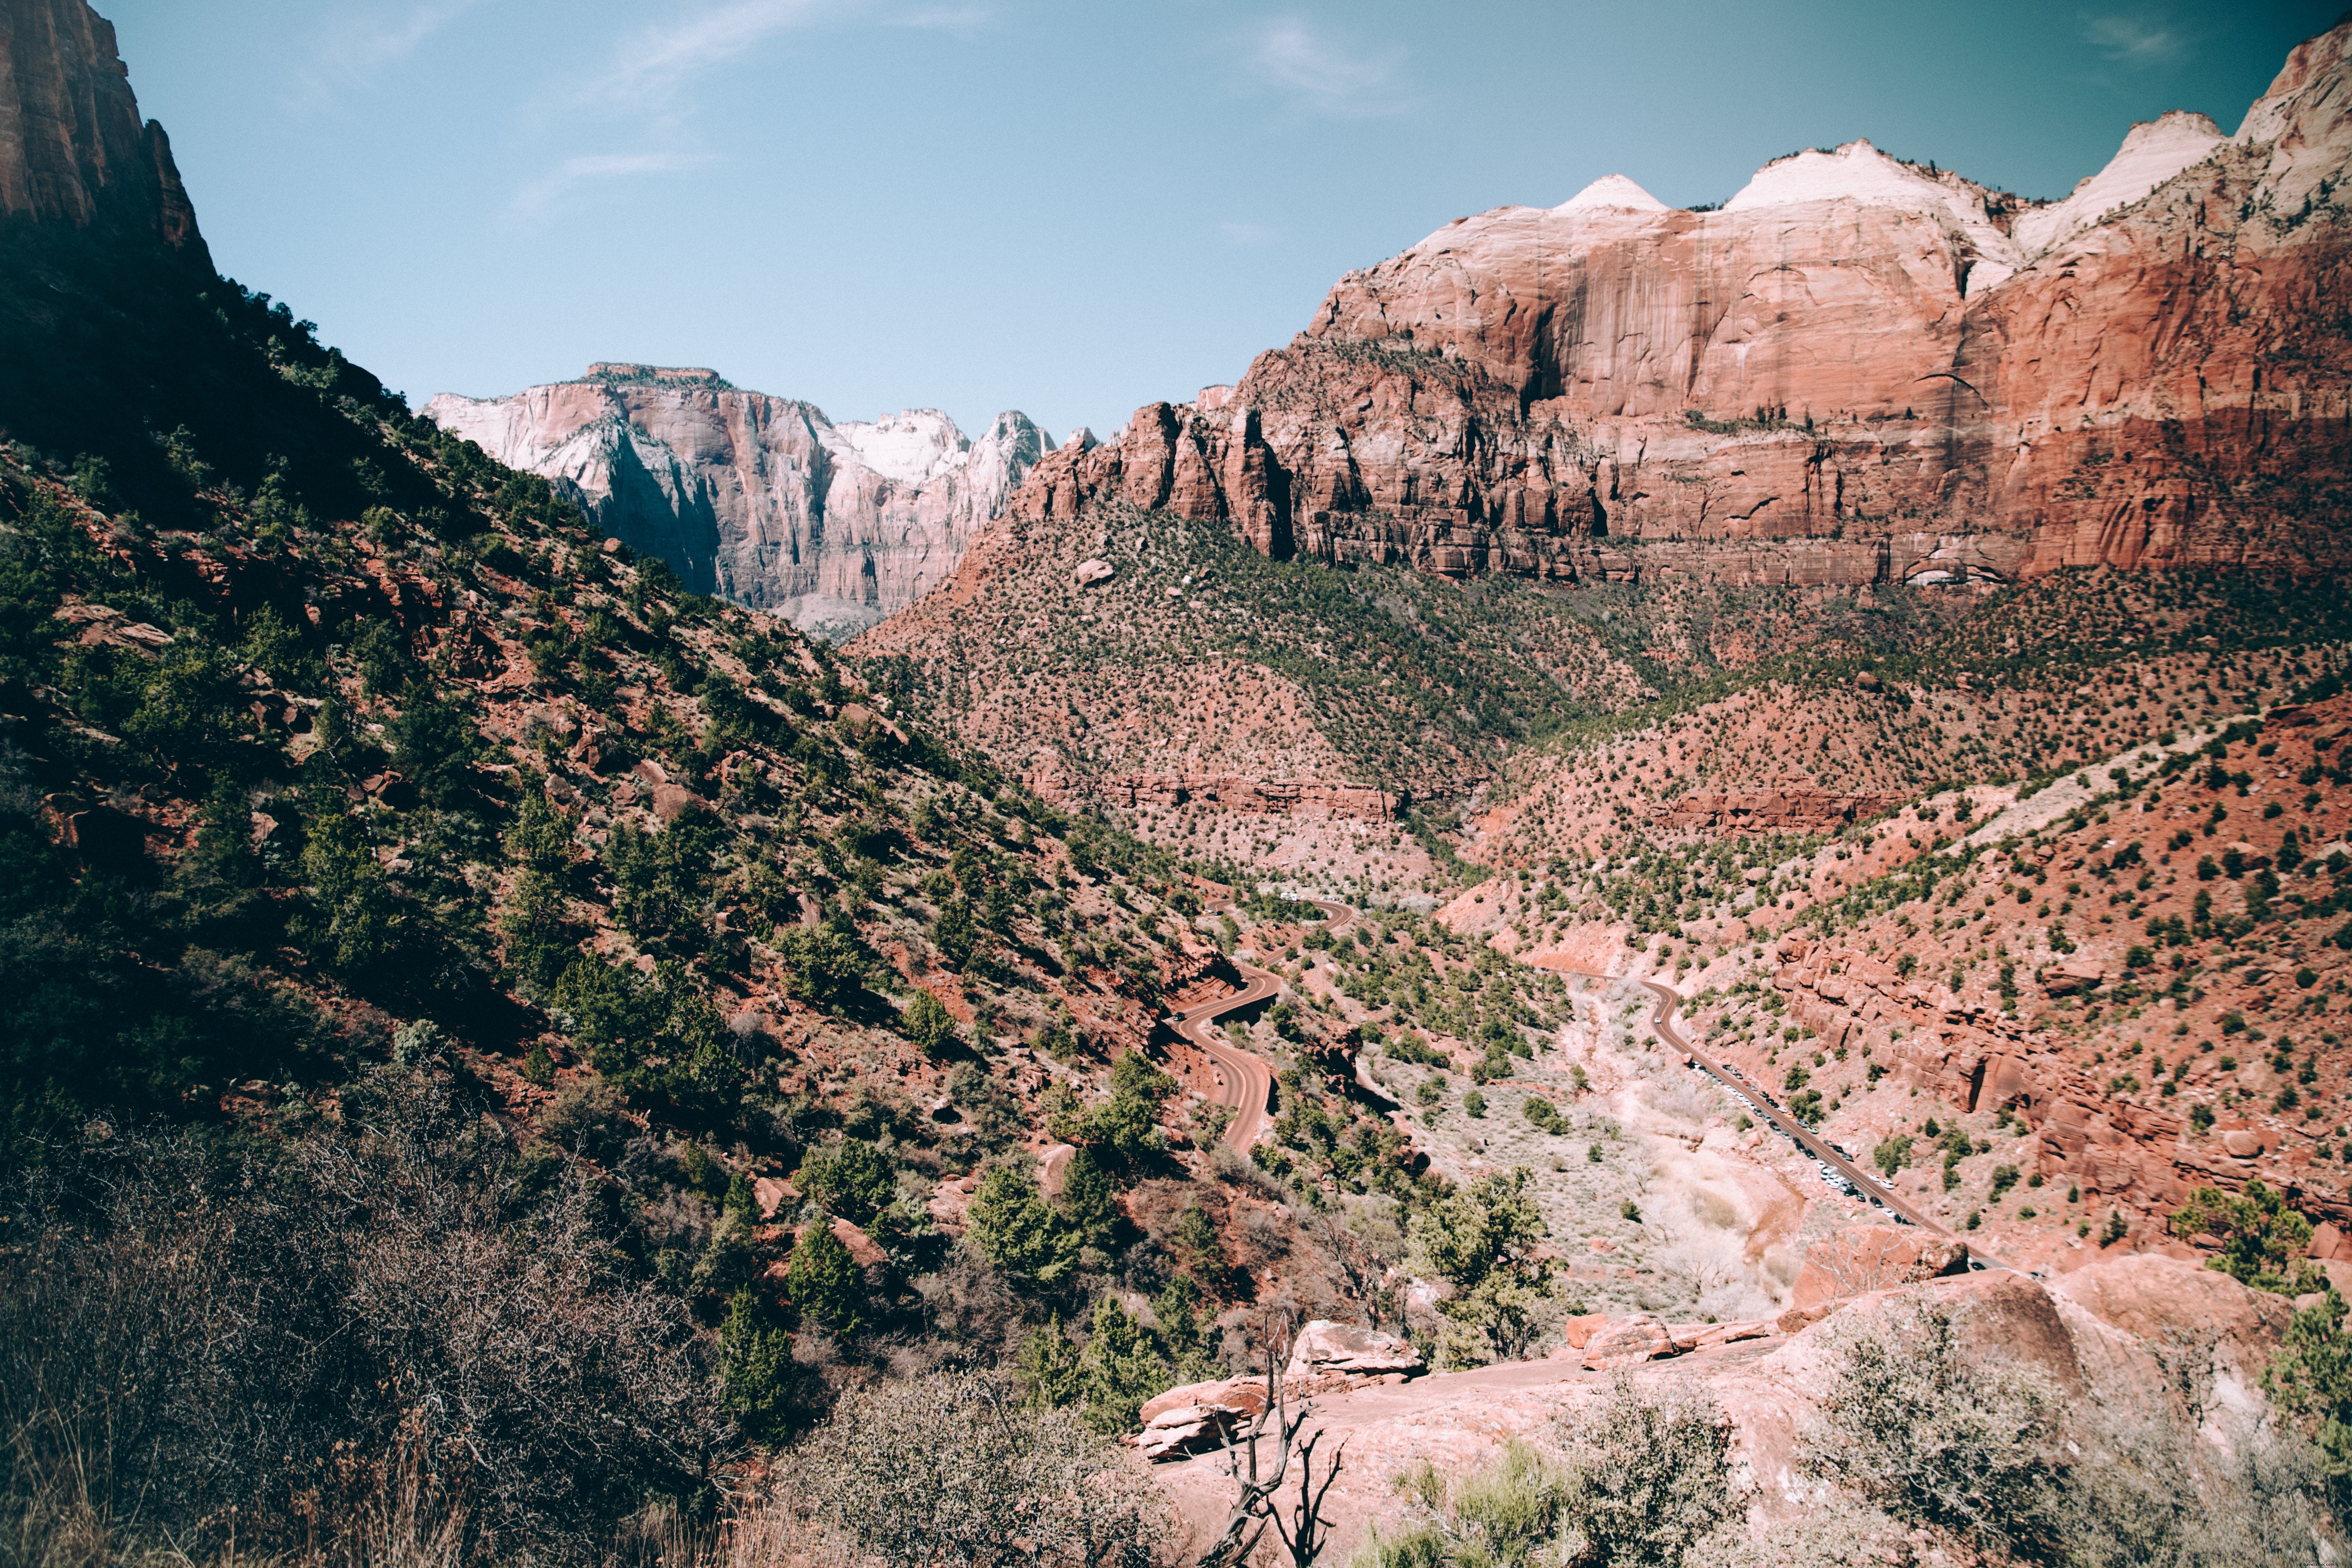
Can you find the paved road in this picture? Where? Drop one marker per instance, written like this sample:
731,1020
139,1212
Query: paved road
1245,1081
1661,1020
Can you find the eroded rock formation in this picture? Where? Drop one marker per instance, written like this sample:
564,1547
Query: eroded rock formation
760,499
1858,371
74,151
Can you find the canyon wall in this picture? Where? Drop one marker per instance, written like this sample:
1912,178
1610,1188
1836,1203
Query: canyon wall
73,151
1857,371
760,499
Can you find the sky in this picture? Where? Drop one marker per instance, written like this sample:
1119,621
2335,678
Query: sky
1067,208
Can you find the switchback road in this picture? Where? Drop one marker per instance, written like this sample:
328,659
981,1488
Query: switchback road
1245,1081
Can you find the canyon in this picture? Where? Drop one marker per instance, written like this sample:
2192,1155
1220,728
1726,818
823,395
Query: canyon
1088,910
1857,371
762,500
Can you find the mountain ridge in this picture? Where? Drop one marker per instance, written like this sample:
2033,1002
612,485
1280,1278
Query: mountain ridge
1851,373
763,500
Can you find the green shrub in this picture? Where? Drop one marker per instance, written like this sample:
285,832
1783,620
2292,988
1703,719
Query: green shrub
1916,1426
2263,1242
928,1024
952,1467
822,1280
852,1179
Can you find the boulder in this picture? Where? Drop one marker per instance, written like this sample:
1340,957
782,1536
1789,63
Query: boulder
770,1193
1200,1418
1874,1257
1324,1347
1579,1331
1185,1429
1999,1316
1702,1336
2240,1144
1623,1343
1090,573
2074,975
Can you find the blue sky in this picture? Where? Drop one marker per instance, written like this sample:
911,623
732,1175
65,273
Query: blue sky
1062,208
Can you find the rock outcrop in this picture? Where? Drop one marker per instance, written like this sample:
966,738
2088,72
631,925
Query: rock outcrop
760,499
1858,371
1324,1348
73,151
1863,1259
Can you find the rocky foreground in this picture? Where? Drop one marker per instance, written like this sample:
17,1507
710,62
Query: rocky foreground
2152,1336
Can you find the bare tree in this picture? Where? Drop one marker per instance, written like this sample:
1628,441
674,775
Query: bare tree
1256,1495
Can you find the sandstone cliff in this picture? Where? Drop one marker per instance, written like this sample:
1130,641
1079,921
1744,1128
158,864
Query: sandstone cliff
1859,369
760,499
73,151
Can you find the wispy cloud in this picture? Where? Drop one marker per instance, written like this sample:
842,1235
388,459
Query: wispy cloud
1318,72
657,60
945,18
541,197
359,45
1239,232
2133,40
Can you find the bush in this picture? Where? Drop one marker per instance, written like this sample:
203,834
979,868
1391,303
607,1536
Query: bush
1014,1228
2263,1242
852,1179
1482,1238
928,1024
822,1279
954,1469
821,967
434,746
1648,1480
186,1332
1505,1516
1914,1427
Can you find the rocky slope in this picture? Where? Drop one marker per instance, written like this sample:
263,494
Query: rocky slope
1857,371
762,500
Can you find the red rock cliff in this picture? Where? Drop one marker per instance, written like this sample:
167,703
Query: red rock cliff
1859,369
73,151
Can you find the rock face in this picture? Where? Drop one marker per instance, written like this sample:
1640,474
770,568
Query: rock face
760,499
73,151
2147,1335
1869,1257
1858,371
1324,1347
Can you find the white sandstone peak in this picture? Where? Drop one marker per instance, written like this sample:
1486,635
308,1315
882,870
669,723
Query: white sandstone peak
761,498
1612,191
1856,172
2153,151
912,445
1860,174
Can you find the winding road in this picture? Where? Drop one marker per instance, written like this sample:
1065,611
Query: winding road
1245,1081
1661,1020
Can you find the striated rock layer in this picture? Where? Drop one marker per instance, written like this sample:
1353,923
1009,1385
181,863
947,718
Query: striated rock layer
73,151
1858,371
760,499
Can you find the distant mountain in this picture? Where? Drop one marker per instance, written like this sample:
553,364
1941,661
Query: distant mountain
760,499
1859,369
